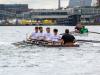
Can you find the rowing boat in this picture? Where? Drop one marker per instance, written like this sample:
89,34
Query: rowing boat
75,45
42,44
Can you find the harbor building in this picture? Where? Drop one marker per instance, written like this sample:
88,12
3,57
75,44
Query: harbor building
10,10
69,16
52,17
79,3
89,15
15,8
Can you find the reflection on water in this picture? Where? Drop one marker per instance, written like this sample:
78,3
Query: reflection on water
33,60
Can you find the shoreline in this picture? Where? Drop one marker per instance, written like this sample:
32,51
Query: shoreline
46,25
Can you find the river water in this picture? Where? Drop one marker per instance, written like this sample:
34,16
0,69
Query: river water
83,60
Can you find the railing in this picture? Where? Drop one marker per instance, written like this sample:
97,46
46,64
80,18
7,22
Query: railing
6,12
51,16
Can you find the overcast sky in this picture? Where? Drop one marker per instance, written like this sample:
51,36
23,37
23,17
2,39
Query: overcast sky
37,3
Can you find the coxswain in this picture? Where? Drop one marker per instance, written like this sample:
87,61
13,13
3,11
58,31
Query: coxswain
78,27
67,39
83,30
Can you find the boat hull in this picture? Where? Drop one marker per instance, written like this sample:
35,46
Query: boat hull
42,44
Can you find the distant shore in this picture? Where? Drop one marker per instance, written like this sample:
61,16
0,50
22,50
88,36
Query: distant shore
42,25
30,25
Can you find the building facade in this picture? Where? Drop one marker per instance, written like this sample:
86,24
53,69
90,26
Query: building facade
79,3
98,3
10,10
15,8
89,15
52,17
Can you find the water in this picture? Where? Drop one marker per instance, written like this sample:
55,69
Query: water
84,60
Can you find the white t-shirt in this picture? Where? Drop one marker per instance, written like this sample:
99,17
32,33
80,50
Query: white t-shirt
47,36
34,35
41,36
55,38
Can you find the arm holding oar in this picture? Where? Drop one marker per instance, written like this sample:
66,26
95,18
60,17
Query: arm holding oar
34,34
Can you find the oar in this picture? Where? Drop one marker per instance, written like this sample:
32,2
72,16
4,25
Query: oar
94,41
89,32
72,32
94,32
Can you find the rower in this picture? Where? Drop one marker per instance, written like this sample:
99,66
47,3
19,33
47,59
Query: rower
55,38
41,35
67,39
83,30
47,34
34,35
78,27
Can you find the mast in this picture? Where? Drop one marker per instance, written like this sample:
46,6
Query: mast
59,4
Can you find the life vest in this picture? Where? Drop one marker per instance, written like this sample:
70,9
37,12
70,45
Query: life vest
83,30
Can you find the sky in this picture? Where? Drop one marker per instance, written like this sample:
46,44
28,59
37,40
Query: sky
94,2
37,3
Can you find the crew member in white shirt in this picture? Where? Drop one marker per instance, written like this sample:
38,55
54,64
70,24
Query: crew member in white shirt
34,34
41,35
55,37
48,34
